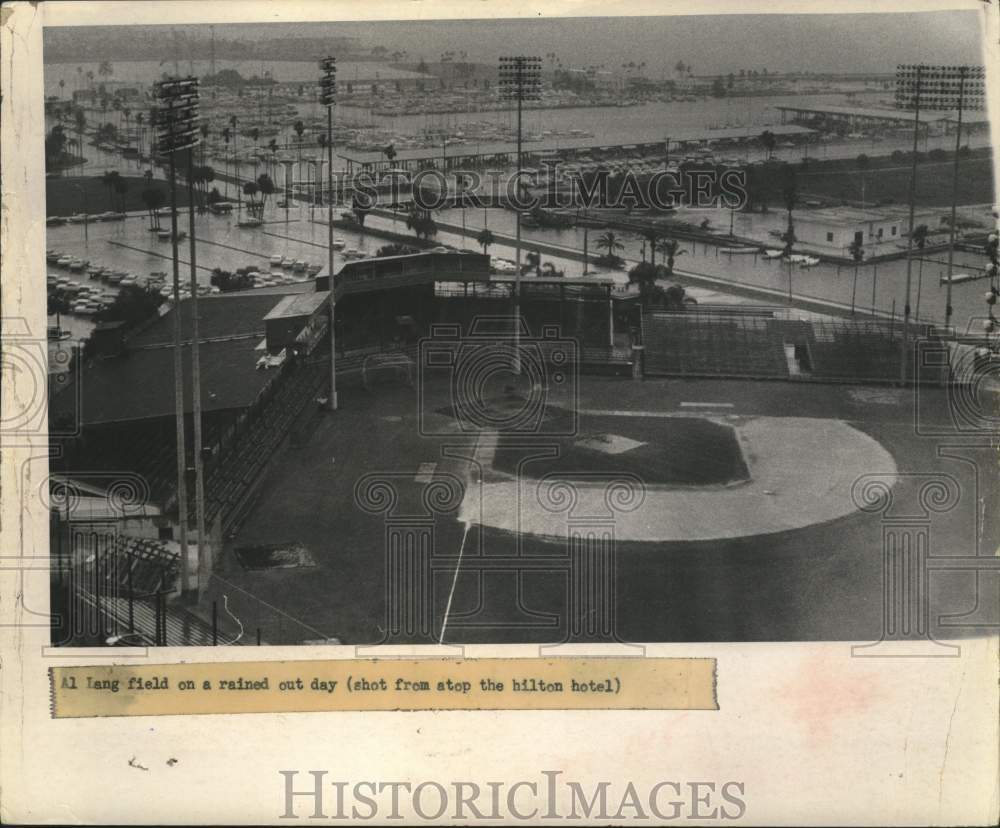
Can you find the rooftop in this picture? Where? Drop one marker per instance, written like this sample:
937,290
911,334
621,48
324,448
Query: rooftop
857,215
219,316
869,112
139,383
301,304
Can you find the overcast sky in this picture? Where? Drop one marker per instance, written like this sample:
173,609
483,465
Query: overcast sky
835,42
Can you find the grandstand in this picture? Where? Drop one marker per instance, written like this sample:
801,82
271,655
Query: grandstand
264,358
771,343
265,367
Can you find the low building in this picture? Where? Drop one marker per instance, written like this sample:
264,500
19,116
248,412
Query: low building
881,230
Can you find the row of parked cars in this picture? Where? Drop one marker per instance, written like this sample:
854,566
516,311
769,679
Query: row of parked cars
80,218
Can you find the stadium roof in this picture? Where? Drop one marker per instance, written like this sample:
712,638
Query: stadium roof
139,383
302,304
219,316
868,112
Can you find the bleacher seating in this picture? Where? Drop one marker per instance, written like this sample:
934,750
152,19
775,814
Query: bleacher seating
712,345
858,351
232,476
719,343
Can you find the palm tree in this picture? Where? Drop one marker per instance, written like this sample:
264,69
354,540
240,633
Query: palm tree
272,146
670,248
250,191
675,297
551,271
266,188
154,200
81,123
652,235
920,233
857,251
485,239
139,121
233,122
226,135
62,86
300,129
644,276
769,142
789,193
254,135
421,223
208,175
319,187
204,130
609,242
533,259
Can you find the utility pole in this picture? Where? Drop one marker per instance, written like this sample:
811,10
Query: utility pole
520,80
328,94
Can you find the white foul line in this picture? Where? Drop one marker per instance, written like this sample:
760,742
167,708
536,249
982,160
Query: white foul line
706,405
461,549
601,412
454,583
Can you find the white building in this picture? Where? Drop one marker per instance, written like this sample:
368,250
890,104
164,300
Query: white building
881,230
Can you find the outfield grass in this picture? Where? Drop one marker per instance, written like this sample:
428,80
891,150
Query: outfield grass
64,198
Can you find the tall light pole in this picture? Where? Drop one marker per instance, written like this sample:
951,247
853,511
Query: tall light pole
199,467
936,88
970,96
910,79
328,96
174,120
520,81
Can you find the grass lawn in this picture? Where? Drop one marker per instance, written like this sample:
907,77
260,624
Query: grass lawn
63,196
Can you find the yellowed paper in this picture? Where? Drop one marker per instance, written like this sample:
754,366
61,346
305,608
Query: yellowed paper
800,730
310,686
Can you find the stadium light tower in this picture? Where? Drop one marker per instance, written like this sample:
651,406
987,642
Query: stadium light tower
520,81
327,97
175,119
935,87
